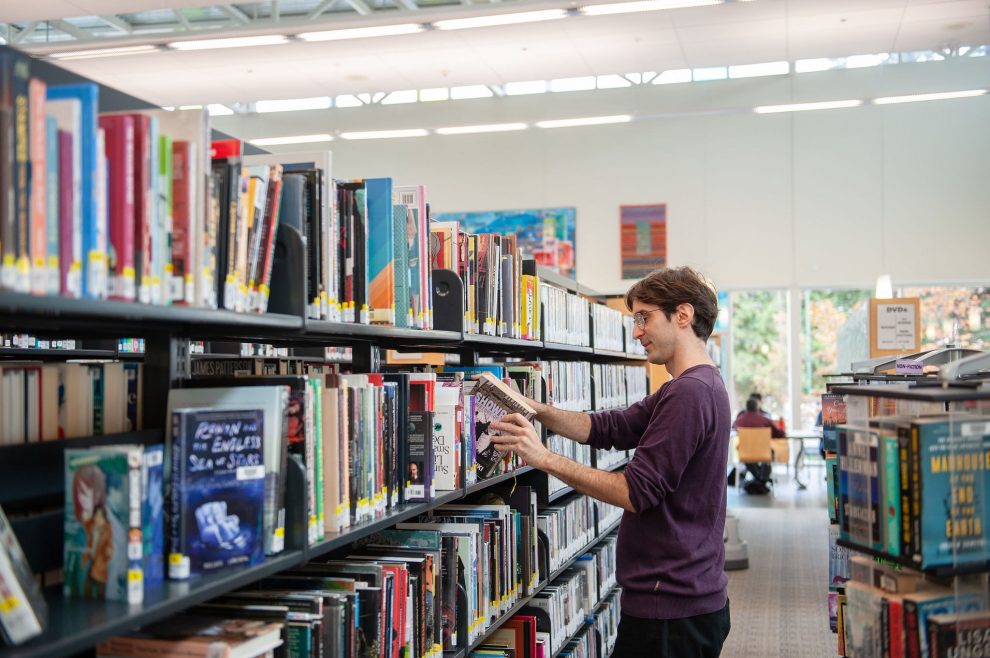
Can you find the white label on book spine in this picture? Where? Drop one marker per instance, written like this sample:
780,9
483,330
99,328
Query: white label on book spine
250,472
975,429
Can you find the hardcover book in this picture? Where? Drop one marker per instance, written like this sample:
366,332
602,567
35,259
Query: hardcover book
493,400
218,490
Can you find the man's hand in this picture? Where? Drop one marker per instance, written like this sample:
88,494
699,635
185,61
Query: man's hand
518,435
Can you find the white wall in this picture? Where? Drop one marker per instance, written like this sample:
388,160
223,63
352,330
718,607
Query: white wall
828,198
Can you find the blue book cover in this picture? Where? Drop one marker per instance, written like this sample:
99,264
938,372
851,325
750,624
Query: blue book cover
88,94
218,491
469,371
153,514
381,265
103,546
955,488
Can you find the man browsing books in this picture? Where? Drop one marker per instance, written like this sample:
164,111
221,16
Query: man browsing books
671,553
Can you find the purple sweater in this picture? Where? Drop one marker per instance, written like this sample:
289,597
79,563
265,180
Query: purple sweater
671,554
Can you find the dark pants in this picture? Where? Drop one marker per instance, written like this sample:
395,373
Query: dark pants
760,471
692,637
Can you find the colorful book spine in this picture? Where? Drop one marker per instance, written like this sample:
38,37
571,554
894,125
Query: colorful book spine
52,192
120,141
38,152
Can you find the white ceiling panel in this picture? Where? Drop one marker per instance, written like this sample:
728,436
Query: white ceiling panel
731,33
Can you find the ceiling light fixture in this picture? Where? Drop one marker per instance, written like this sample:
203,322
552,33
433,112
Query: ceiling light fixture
644,5
585,121
103,52
293,139
759,70
293,104
362,32
916,98
489,128
804,107
500,19
218,110
385,134
233,42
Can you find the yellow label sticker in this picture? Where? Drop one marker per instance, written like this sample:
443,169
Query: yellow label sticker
9,604
175,558
279,532
135,575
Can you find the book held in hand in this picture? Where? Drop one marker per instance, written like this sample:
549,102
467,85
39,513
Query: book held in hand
492,401
192,636
218,490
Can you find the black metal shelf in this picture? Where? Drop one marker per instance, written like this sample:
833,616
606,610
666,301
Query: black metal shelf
380,333
947,571
77,624
564,347
33,353
615,354
561,493
500,341
588,617
587,547
614,467
21,311
948,393
630,356
336,540
519,605
481,485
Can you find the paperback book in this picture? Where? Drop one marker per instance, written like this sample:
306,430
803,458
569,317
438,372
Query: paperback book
218,491
492,401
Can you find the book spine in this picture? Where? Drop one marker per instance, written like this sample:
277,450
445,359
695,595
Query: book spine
268,243
120,154
52,192
143,199
891,510
65,212
915,476
178,562
162,237
135,544
182,200
22,191
37,92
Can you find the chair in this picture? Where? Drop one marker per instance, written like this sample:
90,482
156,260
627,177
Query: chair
752,446
781,453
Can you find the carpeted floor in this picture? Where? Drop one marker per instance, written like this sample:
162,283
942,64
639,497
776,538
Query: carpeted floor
779,605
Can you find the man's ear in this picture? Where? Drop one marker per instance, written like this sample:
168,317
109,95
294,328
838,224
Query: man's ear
684,315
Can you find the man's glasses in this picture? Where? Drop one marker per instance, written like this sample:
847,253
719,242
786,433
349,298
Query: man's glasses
639,317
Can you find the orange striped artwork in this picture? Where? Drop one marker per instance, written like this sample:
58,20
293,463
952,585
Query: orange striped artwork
643,239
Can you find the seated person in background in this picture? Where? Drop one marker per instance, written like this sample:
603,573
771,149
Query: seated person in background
752,417
755,395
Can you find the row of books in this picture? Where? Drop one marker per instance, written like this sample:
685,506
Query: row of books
609,330
568,526
883,610
618,386
579,452
610,459
50,401
568,384
566,316
916,487
607,514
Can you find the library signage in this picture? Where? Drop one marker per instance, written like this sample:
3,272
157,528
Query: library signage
895,326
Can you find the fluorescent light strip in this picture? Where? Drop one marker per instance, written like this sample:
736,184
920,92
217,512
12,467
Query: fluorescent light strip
385,134
294,139
490,128
293,104
644,5
804,107
234,42
470,91
527,87
500,19
915,98
585,83
104,52
585,121
362,32
759,70
218,110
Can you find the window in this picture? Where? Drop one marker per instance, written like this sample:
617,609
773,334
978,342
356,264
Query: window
833,335
758,330
957,315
